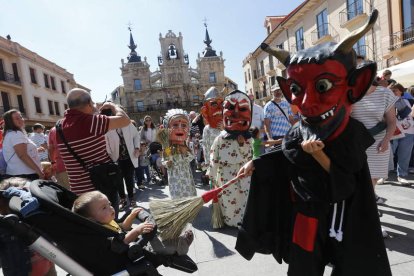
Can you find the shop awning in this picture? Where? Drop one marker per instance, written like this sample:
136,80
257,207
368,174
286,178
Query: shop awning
402,73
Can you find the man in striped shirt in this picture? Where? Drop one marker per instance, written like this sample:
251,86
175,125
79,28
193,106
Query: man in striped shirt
84,131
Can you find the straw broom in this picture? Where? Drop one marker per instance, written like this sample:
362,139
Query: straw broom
172,216
217,219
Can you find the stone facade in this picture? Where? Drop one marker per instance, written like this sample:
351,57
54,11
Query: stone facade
32,84
174,83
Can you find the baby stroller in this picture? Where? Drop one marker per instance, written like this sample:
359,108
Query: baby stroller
154,153
78,245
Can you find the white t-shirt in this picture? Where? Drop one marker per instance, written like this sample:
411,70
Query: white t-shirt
258,116
150,135
40,139
15,166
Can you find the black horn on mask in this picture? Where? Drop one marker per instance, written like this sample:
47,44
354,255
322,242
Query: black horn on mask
282,55
345,46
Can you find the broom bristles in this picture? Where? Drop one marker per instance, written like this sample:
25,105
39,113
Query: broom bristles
172,216
217,219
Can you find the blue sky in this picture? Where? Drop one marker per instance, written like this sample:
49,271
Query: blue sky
89,37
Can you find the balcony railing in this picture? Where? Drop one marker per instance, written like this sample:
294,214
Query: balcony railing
10,78
7,108
402,38
162,106
369,54
157,85
323,31
350,12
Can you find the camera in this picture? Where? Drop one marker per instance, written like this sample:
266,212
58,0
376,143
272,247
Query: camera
107,112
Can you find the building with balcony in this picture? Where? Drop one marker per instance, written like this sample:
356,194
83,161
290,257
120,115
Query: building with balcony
389,43
174,83
32,84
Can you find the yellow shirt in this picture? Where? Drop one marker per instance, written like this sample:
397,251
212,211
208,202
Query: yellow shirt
113,226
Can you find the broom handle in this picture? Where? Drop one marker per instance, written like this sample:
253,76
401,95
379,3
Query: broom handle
212,194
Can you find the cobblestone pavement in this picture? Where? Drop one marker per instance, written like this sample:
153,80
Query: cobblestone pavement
214,253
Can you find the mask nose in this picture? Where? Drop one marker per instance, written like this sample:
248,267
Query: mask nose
310,102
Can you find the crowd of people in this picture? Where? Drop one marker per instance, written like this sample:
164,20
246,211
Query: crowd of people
97,152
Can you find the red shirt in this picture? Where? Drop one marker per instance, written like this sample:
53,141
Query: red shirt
59,166
85,134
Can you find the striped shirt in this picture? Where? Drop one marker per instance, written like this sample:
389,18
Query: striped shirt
85,134
369,111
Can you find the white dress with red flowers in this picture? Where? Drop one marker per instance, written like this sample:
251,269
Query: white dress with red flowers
226,159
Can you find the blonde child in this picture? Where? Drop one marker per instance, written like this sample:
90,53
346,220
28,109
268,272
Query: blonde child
96,207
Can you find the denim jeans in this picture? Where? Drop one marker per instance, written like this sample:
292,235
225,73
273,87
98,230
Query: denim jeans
140,171
403,148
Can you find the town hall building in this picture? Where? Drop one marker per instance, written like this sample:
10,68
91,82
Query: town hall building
175,84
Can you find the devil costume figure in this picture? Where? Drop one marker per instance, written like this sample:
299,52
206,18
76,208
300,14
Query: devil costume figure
312,202
176,155
212,112
230,150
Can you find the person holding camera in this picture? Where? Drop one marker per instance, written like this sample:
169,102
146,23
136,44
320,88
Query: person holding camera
84,132
122,145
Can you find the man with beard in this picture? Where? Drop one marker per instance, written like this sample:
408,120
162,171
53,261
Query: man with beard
312,203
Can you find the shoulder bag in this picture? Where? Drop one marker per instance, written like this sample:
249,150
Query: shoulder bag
105,177
281,109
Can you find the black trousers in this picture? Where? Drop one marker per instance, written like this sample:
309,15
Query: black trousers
127,171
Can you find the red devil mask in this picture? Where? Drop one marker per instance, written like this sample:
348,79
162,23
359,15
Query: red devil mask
178,129
323,83
237,112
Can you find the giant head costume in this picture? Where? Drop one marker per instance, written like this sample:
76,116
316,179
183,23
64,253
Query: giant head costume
324,82
178,125
212,109
237,113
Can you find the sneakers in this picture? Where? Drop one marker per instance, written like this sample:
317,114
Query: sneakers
142,187
381,181
403,181
380,200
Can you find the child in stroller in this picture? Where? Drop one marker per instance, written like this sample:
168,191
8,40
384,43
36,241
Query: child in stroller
159,172
96,207
89,248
